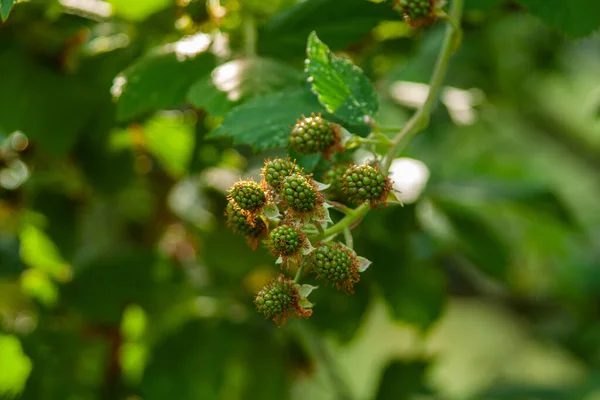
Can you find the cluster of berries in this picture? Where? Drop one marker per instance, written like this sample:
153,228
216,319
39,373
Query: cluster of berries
417,12
287,204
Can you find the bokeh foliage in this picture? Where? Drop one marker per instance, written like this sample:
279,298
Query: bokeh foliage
123,122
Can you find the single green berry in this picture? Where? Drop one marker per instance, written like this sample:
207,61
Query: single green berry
416,12
276,170
247,196
333,176
300,194
279,299
362,183
239,224
336,263
285,240
313,135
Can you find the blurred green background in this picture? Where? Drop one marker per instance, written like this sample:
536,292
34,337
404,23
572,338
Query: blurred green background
120,280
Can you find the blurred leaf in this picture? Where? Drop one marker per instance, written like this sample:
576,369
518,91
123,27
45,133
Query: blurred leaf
37,284
576,18
240,79
338,313
531,195
171,140
15,366
10,260
414,289
38,251
161,79
135,10
482,5
510,392
266,121
192,364
286,32
401,380
5,7
481,244
50,108
341,87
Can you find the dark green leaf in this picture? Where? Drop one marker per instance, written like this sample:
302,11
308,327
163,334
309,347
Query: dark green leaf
341,87
162,79
266,121
482,5
5,7
481,244
240,79
48,107
339,26
401,380
576,18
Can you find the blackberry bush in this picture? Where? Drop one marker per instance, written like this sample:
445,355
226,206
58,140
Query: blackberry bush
334,178
363,183
276,170
300,194
416,12
279,300
253,230
336,263
313,135
286,241
247,196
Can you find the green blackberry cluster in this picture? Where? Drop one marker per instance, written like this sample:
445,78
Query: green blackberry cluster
362,183
279,299
333,176
276,170
237,220
313,135
300,194
247,195
416,12
285,240
335,263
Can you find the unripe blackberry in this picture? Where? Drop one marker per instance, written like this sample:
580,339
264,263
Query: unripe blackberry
279,299
276,170
363,183
239,224
300,194
247,196
336,263
285,240
333,176
314,135
416,12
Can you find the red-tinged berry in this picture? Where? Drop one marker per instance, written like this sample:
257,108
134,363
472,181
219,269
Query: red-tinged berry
279,299
362,183
417,12
247,196
337,264
276,170
314,134
239,224
299,193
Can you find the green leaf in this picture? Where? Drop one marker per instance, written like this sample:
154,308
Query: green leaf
135,10
265,122
482,5
38,251
5,7
401,380
49,107
480,243
240,79
171,140
285,34
402,265
15,366
576,18
341,87
161,79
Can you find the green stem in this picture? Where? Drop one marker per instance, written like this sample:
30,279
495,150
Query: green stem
420,119
349,219
299,273
250,37
348,238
